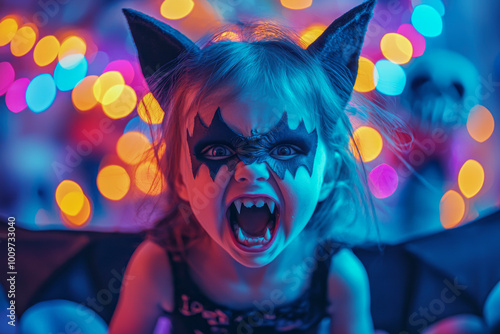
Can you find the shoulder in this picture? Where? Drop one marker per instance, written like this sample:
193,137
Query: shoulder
151,267
146,291
347,274
349,294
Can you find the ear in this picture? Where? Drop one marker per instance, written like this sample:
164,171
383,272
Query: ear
340,44
181,189
158,44
330,182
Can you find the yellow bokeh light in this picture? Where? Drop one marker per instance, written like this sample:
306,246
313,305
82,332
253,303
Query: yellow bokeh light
309,35
105,82
176,9
296,4
122,105
471,178
451,209
83,96
81,218
72,45
148,179
367,77
396,48
132,146
480,123
64,188
69,197
113,182
23,41
369,143
46,50
8,29
149,110
72,203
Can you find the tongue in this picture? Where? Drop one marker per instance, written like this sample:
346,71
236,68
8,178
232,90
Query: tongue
253,220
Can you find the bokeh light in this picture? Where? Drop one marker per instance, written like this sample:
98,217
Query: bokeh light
8,29
368,141
23,41
451,209
137,124
311,33
367,77
427,21
124,67
7,77
149,110
113,182
396,48
132,146
438,5
69,197
46,50
70,71
480,123
72,45
81,218
105,82
15,99
121,106
83,96
41,92
416,39
383,181
471,178
148,178
176,9
391,78
296,4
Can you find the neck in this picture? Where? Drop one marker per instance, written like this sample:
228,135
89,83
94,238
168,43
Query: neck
211,254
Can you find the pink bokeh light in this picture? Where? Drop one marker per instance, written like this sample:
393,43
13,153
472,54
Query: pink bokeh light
416,39
15,99
383,181
7,77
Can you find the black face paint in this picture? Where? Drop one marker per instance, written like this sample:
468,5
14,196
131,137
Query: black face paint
281,148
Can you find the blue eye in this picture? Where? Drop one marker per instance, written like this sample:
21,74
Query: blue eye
217,152
284,152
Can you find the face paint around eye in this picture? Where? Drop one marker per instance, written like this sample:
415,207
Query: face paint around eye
217,152
281,148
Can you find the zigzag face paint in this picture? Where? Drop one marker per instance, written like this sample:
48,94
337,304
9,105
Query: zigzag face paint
281,148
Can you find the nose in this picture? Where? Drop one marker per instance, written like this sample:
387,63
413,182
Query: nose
251,172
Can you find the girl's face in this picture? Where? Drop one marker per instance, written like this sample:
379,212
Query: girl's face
254,195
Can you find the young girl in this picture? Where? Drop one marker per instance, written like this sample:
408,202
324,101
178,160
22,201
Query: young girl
260,182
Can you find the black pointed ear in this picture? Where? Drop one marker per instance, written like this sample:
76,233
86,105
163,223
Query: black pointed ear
341,43
157,43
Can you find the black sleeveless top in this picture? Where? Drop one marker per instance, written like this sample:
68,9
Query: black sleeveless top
195,313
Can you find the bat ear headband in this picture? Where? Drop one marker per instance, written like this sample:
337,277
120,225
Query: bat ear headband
160,46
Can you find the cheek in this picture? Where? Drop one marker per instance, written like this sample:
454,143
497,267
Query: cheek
206,196
301,193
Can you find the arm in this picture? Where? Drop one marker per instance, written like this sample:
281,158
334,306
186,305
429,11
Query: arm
349,295
146,290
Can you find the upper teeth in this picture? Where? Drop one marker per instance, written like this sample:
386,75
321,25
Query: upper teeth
258,202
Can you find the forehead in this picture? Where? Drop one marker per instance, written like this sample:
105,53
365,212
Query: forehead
250,114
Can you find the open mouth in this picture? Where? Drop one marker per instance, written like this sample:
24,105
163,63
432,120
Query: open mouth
253,221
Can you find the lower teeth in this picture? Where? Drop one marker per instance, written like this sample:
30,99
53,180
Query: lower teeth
250,241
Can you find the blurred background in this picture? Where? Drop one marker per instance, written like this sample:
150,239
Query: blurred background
73,125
